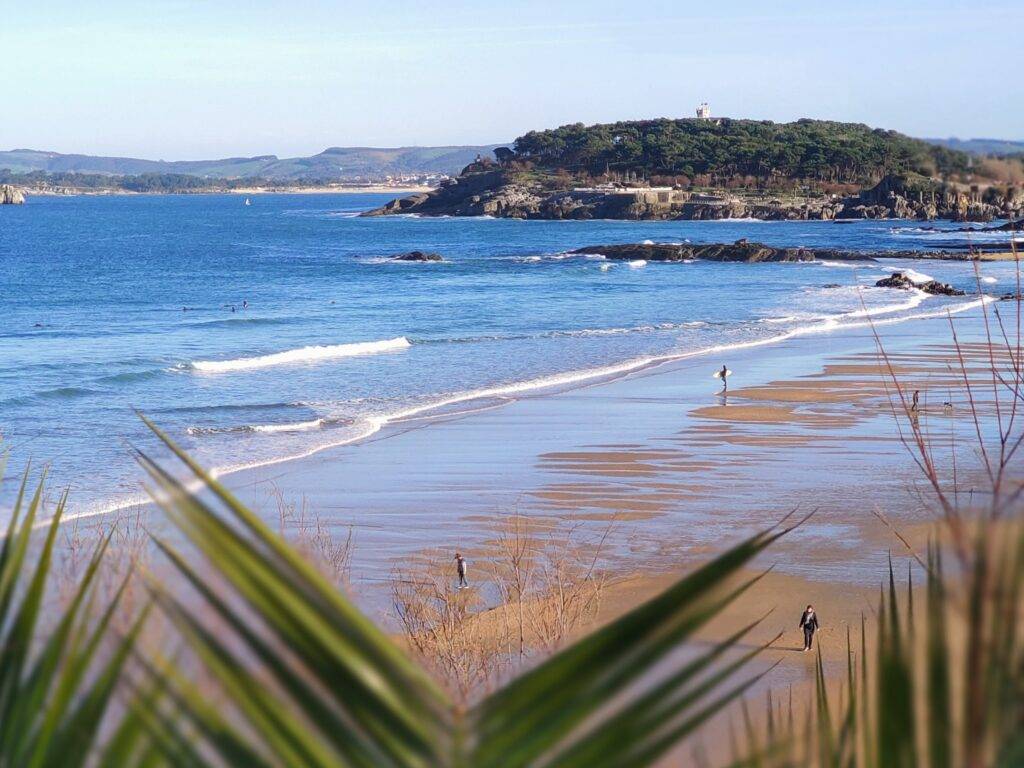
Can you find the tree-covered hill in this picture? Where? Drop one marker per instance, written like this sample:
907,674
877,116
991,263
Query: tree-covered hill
818,150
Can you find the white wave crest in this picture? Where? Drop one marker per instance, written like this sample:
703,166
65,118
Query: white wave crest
302,355
917,278
638,264
846,264
299,426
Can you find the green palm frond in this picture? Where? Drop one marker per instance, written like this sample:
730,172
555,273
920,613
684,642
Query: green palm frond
58,673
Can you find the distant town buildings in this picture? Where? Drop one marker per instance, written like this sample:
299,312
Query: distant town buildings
703,111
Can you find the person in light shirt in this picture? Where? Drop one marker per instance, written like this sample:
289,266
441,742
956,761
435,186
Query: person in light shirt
460,569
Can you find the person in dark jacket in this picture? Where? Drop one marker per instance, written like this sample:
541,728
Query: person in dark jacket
809,624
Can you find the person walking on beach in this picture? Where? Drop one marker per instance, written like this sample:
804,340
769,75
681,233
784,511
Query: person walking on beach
460,569
724,373
916,401
809,624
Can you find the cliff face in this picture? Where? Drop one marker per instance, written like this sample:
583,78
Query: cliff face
10,195
488,189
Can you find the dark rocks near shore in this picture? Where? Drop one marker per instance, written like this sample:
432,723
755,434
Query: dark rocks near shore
740,251
1010,226
903,281
418,256
750,252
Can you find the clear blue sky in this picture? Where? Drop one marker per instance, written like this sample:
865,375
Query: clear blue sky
177,80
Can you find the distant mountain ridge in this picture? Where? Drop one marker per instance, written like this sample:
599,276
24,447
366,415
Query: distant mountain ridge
334,163
981,146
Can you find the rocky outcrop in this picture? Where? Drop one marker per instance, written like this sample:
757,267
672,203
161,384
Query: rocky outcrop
418,256
741,250
486,188
909,279
482,189
748,252
11,195
908,196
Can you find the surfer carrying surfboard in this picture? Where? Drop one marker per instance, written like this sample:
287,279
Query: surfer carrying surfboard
724,376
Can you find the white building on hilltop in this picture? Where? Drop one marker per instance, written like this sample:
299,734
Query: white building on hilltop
703,111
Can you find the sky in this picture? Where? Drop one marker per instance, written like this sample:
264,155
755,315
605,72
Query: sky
195,80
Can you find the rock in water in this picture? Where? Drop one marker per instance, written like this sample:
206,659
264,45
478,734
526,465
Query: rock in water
741,250
418,256
905,282
11,195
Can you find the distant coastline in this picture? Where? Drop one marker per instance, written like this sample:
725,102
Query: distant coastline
309,189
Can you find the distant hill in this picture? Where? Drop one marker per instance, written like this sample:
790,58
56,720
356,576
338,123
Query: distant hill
981,146
335,163
813,150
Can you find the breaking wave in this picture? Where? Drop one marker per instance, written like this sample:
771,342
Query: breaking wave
302,355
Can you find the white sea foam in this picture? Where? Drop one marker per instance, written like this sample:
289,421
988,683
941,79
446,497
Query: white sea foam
917,278
606,267
301,355
846,264
915,299
299,426
638,264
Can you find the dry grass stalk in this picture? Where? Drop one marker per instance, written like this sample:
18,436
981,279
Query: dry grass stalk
313,538
542,584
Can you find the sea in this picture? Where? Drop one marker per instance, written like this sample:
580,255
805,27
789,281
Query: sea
257,334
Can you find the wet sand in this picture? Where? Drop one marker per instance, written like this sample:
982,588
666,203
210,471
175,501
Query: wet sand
807,423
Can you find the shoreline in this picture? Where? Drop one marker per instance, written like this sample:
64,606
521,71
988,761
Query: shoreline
382,426
452,477
305,190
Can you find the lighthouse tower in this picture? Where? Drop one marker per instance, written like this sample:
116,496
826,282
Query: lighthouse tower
703,111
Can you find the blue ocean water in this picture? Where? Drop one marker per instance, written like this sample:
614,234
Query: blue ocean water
254,334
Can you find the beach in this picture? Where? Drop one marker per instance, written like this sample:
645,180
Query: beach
679,471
